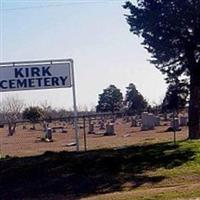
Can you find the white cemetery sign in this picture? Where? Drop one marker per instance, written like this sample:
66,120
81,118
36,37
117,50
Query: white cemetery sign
35,75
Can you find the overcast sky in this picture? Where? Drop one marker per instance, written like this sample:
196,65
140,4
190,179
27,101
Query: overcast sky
94,33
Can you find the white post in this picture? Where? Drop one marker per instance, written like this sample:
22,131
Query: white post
75,108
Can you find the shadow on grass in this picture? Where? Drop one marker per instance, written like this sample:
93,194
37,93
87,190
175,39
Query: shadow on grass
76,175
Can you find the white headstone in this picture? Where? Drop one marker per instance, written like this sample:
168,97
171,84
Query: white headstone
175,124
148,121
48,134
183,120
91,128
157,121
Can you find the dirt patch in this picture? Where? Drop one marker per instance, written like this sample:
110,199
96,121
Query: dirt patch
28,142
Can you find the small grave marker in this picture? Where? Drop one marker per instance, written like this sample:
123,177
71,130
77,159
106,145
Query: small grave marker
91,128
110,129
183,120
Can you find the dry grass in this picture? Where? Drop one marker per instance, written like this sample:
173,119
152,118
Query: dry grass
28,142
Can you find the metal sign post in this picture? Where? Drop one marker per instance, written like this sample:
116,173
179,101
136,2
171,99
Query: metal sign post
75,107
84,132
174,127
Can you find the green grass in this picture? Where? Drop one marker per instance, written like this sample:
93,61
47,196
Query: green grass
189,167
156,171
148,195
1,157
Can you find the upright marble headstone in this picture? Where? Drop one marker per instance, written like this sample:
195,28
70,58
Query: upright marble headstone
110,129
91,128
183,120
148,121
175,124
48,134
157,120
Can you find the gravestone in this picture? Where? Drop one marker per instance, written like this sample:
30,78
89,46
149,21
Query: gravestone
64,130
71,144
48,134
157,120
109,129
54,130
101,125
91,128
183,120
113,119
175,124
148,121
133,122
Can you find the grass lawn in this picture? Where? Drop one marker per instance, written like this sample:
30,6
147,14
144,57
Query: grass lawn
156,171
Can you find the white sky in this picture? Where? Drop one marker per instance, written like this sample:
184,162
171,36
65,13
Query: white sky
95,35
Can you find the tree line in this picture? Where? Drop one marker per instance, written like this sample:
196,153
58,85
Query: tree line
111,100
134,103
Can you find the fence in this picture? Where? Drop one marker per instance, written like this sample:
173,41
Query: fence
96,131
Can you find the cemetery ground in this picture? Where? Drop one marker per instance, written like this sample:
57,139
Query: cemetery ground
132,164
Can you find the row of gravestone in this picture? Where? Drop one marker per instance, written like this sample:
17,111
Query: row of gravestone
178,121
149,121
109,128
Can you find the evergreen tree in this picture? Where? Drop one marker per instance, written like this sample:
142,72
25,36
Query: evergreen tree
176,97
110,100
171,33
134,101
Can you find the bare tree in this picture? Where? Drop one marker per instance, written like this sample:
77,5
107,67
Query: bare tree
46,111
11,108
46,114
